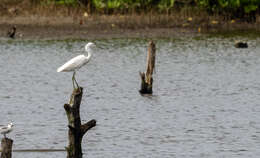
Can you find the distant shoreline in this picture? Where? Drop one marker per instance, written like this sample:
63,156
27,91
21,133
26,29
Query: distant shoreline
117,26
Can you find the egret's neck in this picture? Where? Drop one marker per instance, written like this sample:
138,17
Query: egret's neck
89,53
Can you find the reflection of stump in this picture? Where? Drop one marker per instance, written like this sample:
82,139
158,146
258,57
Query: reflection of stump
147,78
6,145
76,130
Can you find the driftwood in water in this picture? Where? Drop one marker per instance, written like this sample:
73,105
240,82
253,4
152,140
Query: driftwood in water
6,145
240,44
76,129
147,78
11,32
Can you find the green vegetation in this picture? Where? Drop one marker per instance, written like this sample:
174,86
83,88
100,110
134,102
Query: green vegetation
238,8
231,9
246,6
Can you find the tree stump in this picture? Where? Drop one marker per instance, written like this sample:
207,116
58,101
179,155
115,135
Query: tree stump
76,129
6,145
147,78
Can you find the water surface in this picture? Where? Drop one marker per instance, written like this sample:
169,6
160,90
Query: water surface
205,102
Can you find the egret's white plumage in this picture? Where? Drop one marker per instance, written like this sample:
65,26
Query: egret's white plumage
77,62
74,63
6,129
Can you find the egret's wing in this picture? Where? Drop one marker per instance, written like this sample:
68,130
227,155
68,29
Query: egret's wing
3,128
73,64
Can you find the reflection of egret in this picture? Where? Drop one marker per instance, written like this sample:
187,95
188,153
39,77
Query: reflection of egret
6,129
77,62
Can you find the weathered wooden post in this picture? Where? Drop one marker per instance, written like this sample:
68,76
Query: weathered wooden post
76,129
147,78
6,145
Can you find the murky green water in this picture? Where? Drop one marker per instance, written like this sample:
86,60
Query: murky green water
206,100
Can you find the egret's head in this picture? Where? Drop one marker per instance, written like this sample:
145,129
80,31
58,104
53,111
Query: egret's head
10,124
90,46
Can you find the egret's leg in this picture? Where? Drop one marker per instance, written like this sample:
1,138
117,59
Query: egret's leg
76,82
73,79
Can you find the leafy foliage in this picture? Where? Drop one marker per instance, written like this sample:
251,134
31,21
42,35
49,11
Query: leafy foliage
235,8
232,5
166,4
243,9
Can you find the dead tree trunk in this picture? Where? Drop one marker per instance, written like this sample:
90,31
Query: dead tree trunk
147,78
76,129
6,145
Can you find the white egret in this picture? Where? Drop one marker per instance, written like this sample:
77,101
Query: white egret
77,62
6,129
